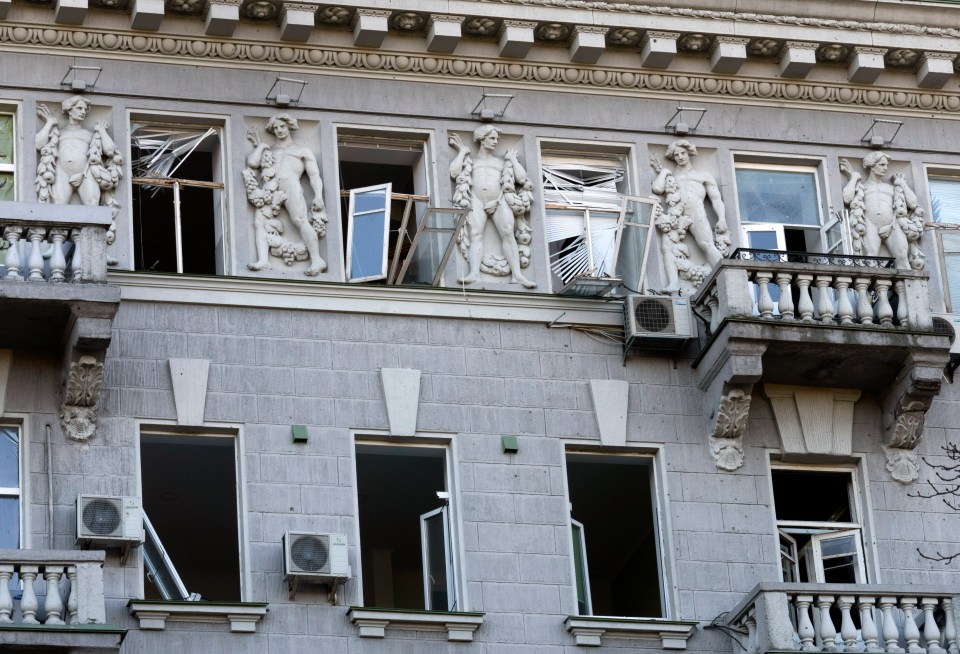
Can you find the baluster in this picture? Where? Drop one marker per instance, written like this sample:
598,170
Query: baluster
891,635
805,628
750,620
764,301
12,260
76,260
35,260
903,316
931,632
786,296
805,303
714,303
884,311
6,600
824,301
53,604
72,606
28,601
864,307
848,632
868,627
911,633
950,627
58,262
828,632
844,308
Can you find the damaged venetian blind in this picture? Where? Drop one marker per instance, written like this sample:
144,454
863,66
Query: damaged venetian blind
593,182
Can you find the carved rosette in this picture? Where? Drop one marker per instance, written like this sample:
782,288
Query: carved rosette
726,439
78,412
902,464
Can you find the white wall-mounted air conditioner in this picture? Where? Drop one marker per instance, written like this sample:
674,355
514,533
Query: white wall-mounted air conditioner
109,521
657,323
949,324
315,558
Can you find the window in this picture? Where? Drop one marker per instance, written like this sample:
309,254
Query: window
177,198
594,229
616,550
10,476
820,534
407,543
780,208
945,202
190,498
7,160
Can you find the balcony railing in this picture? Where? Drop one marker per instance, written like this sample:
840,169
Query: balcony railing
845,617
52,588
53,243
836,290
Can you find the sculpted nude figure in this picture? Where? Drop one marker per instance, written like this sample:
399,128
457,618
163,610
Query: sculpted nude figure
288,162
494,187
883,216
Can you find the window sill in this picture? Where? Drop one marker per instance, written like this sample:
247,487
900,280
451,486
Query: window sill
66,638
372,623
154,614
588,630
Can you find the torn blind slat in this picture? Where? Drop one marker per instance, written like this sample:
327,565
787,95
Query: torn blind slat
163,151
582,184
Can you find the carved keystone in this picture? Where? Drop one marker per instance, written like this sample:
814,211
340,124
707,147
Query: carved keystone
401,392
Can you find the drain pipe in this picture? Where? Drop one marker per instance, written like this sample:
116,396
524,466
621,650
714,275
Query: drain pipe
49,487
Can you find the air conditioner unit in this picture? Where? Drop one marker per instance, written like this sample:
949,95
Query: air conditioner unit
315,558
109,521
657,323
948,324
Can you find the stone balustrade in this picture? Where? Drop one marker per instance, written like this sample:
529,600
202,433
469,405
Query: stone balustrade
55,587
53,243
845,618
814,289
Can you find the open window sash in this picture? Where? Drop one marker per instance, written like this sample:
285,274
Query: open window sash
789,557
835,233
160,569
832,554
368,233
439,581
633,241
584,601
430,248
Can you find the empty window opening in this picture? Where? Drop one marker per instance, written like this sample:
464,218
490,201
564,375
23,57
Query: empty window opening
9,487
406,545
615,538
189,486
177,199
820,535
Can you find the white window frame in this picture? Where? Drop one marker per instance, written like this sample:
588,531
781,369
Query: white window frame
751,161
18,491
387,190
828,529
11,166
456,554
943,172
450,570
660,511
208,429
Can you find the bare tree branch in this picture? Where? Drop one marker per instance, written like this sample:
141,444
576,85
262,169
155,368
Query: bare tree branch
948,490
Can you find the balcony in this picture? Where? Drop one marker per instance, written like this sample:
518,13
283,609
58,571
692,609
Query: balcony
831,322
55,602
779,617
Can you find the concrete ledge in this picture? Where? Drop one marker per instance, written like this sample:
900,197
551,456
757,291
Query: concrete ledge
589,630
83,639
154,614
372,623
51,557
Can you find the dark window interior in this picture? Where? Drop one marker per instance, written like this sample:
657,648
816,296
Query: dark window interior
395,486
612,497
190,494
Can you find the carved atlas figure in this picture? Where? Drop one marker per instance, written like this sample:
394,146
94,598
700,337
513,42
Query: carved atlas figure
488,186
683,192
77,162
281,167
884,217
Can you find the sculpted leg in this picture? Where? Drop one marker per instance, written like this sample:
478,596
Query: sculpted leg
263,251
505,222
899,248
89,191
703,235
476,221
61,191
296,207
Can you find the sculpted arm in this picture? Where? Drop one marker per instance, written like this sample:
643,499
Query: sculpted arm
50,122
713,192
456,166
908,193
519,173
313,174
851,187
253,159
109,147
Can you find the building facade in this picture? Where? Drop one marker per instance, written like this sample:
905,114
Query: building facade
488,326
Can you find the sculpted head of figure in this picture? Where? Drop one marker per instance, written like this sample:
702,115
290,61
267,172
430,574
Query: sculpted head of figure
683,146
874,159
78,103
485,132
288,122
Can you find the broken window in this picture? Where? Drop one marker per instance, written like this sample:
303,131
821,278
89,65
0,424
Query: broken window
177,198
7,160
821,538
595,231
189,488
10,475
407,550
615,537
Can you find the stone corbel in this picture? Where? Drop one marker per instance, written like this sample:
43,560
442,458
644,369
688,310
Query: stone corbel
904,409
726,437
78,413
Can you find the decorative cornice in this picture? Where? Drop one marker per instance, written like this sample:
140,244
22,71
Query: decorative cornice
461,69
